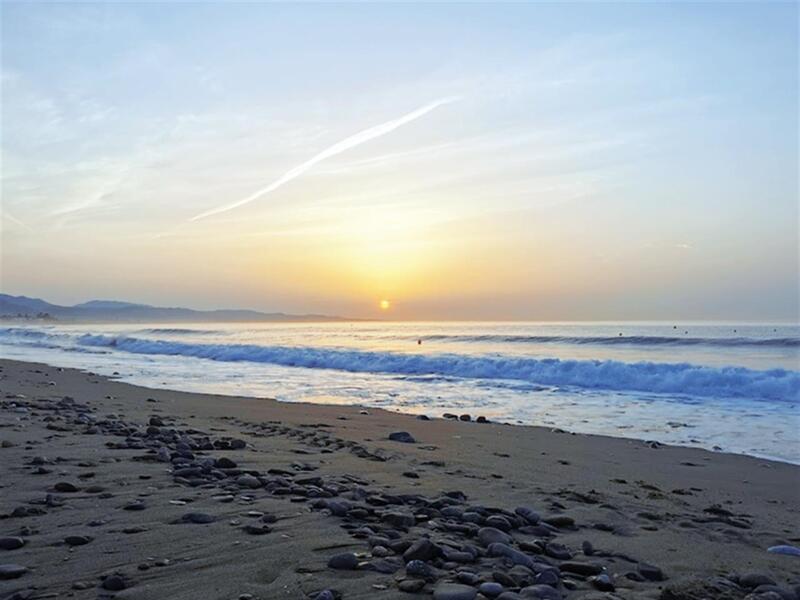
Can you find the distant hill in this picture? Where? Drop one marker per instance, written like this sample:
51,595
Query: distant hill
22,307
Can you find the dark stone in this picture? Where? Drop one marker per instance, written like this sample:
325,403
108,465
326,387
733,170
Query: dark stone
77,540
198,518
411,586
402,436
11,543
454,591
581,568
422,549
11,571
603,583
542,592
65,487
420,570
561,521
652,573
491,589
748,580
114,583
346,561
491,535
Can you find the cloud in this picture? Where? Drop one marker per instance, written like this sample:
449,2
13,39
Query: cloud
346,144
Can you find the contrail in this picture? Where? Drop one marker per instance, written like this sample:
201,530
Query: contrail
347,143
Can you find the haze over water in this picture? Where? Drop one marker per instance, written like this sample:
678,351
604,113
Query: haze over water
734,387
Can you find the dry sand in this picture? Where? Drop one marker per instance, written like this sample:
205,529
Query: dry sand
704,519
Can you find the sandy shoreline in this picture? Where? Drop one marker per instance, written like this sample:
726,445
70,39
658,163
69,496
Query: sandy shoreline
696,515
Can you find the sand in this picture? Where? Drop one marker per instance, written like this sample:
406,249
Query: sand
704,519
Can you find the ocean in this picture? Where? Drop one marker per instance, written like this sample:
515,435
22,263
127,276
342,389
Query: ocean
725,387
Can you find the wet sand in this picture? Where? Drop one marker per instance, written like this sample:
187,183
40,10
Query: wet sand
116,490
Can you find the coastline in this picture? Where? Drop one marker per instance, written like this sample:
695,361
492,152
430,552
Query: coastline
696,514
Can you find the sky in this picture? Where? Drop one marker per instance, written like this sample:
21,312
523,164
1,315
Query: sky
538,161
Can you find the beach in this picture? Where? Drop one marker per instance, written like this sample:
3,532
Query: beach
111,489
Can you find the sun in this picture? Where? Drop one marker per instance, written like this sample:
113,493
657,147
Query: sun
385,304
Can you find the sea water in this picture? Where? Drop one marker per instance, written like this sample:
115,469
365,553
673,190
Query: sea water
728,387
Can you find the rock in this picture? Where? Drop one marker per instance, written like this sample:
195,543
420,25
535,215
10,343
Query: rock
411,475
411,586
198,518
465,417
65,487
402,436
587,548
248,481
346,561
422,549
560,521
236,444
558,551
748,580
11,543
328,595
6,444
224,463
399,519
490,535
423,418
784,549
542,592
581,568
77,540
517,557
12,571
420,570
481,419
603,582
651,572
114,583
491,589
256,529
449,416
454,591
530,515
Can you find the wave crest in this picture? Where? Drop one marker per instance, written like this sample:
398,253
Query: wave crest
681,378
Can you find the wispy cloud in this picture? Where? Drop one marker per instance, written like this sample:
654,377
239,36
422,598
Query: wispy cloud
346,144
7,216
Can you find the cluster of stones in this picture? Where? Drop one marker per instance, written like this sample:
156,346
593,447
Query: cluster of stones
443,546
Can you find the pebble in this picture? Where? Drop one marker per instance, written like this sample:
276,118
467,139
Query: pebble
114,583
491,589
603,583
454,591
750,580
198,517
65,487
248,481
651,572
12,571
784,549
402,436
491,535
422,549
420,570
11,543
346,561
77,540
411,586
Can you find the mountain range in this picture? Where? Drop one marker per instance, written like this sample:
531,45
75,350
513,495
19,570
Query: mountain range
22,307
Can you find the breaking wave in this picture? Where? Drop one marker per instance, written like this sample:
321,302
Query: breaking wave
682,378
639,340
